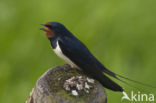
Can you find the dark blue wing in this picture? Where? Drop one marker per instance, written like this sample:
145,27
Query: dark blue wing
81,56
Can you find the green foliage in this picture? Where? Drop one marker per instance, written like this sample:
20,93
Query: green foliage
121,34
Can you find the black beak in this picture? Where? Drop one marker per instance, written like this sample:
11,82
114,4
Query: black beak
43,28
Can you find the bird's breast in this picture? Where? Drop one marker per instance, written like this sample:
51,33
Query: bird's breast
60,54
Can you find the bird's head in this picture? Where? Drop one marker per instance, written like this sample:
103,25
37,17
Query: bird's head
54,29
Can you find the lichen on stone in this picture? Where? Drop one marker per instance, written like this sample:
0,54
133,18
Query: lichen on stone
77,84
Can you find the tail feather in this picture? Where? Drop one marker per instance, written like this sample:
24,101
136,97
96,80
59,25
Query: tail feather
108,83
117,77
127,83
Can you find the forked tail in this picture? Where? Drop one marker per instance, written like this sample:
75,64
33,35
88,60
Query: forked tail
117,76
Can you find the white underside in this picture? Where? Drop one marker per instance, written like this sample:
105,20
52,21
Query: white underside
59,53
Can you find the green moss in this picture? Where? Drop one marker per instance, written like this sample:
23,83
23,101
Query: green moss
57,80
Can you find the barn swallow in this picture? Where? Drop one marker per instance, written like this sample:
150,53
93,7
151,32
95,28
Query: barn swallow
77,55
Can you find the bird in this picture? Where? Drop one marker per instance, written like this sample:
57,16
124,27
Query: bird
77,55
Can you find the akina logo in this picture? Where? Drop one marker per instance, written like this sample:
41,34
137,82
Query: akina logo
138,96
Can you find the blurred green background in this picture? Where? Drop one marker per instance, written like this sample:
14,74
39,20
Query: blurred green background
121,34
